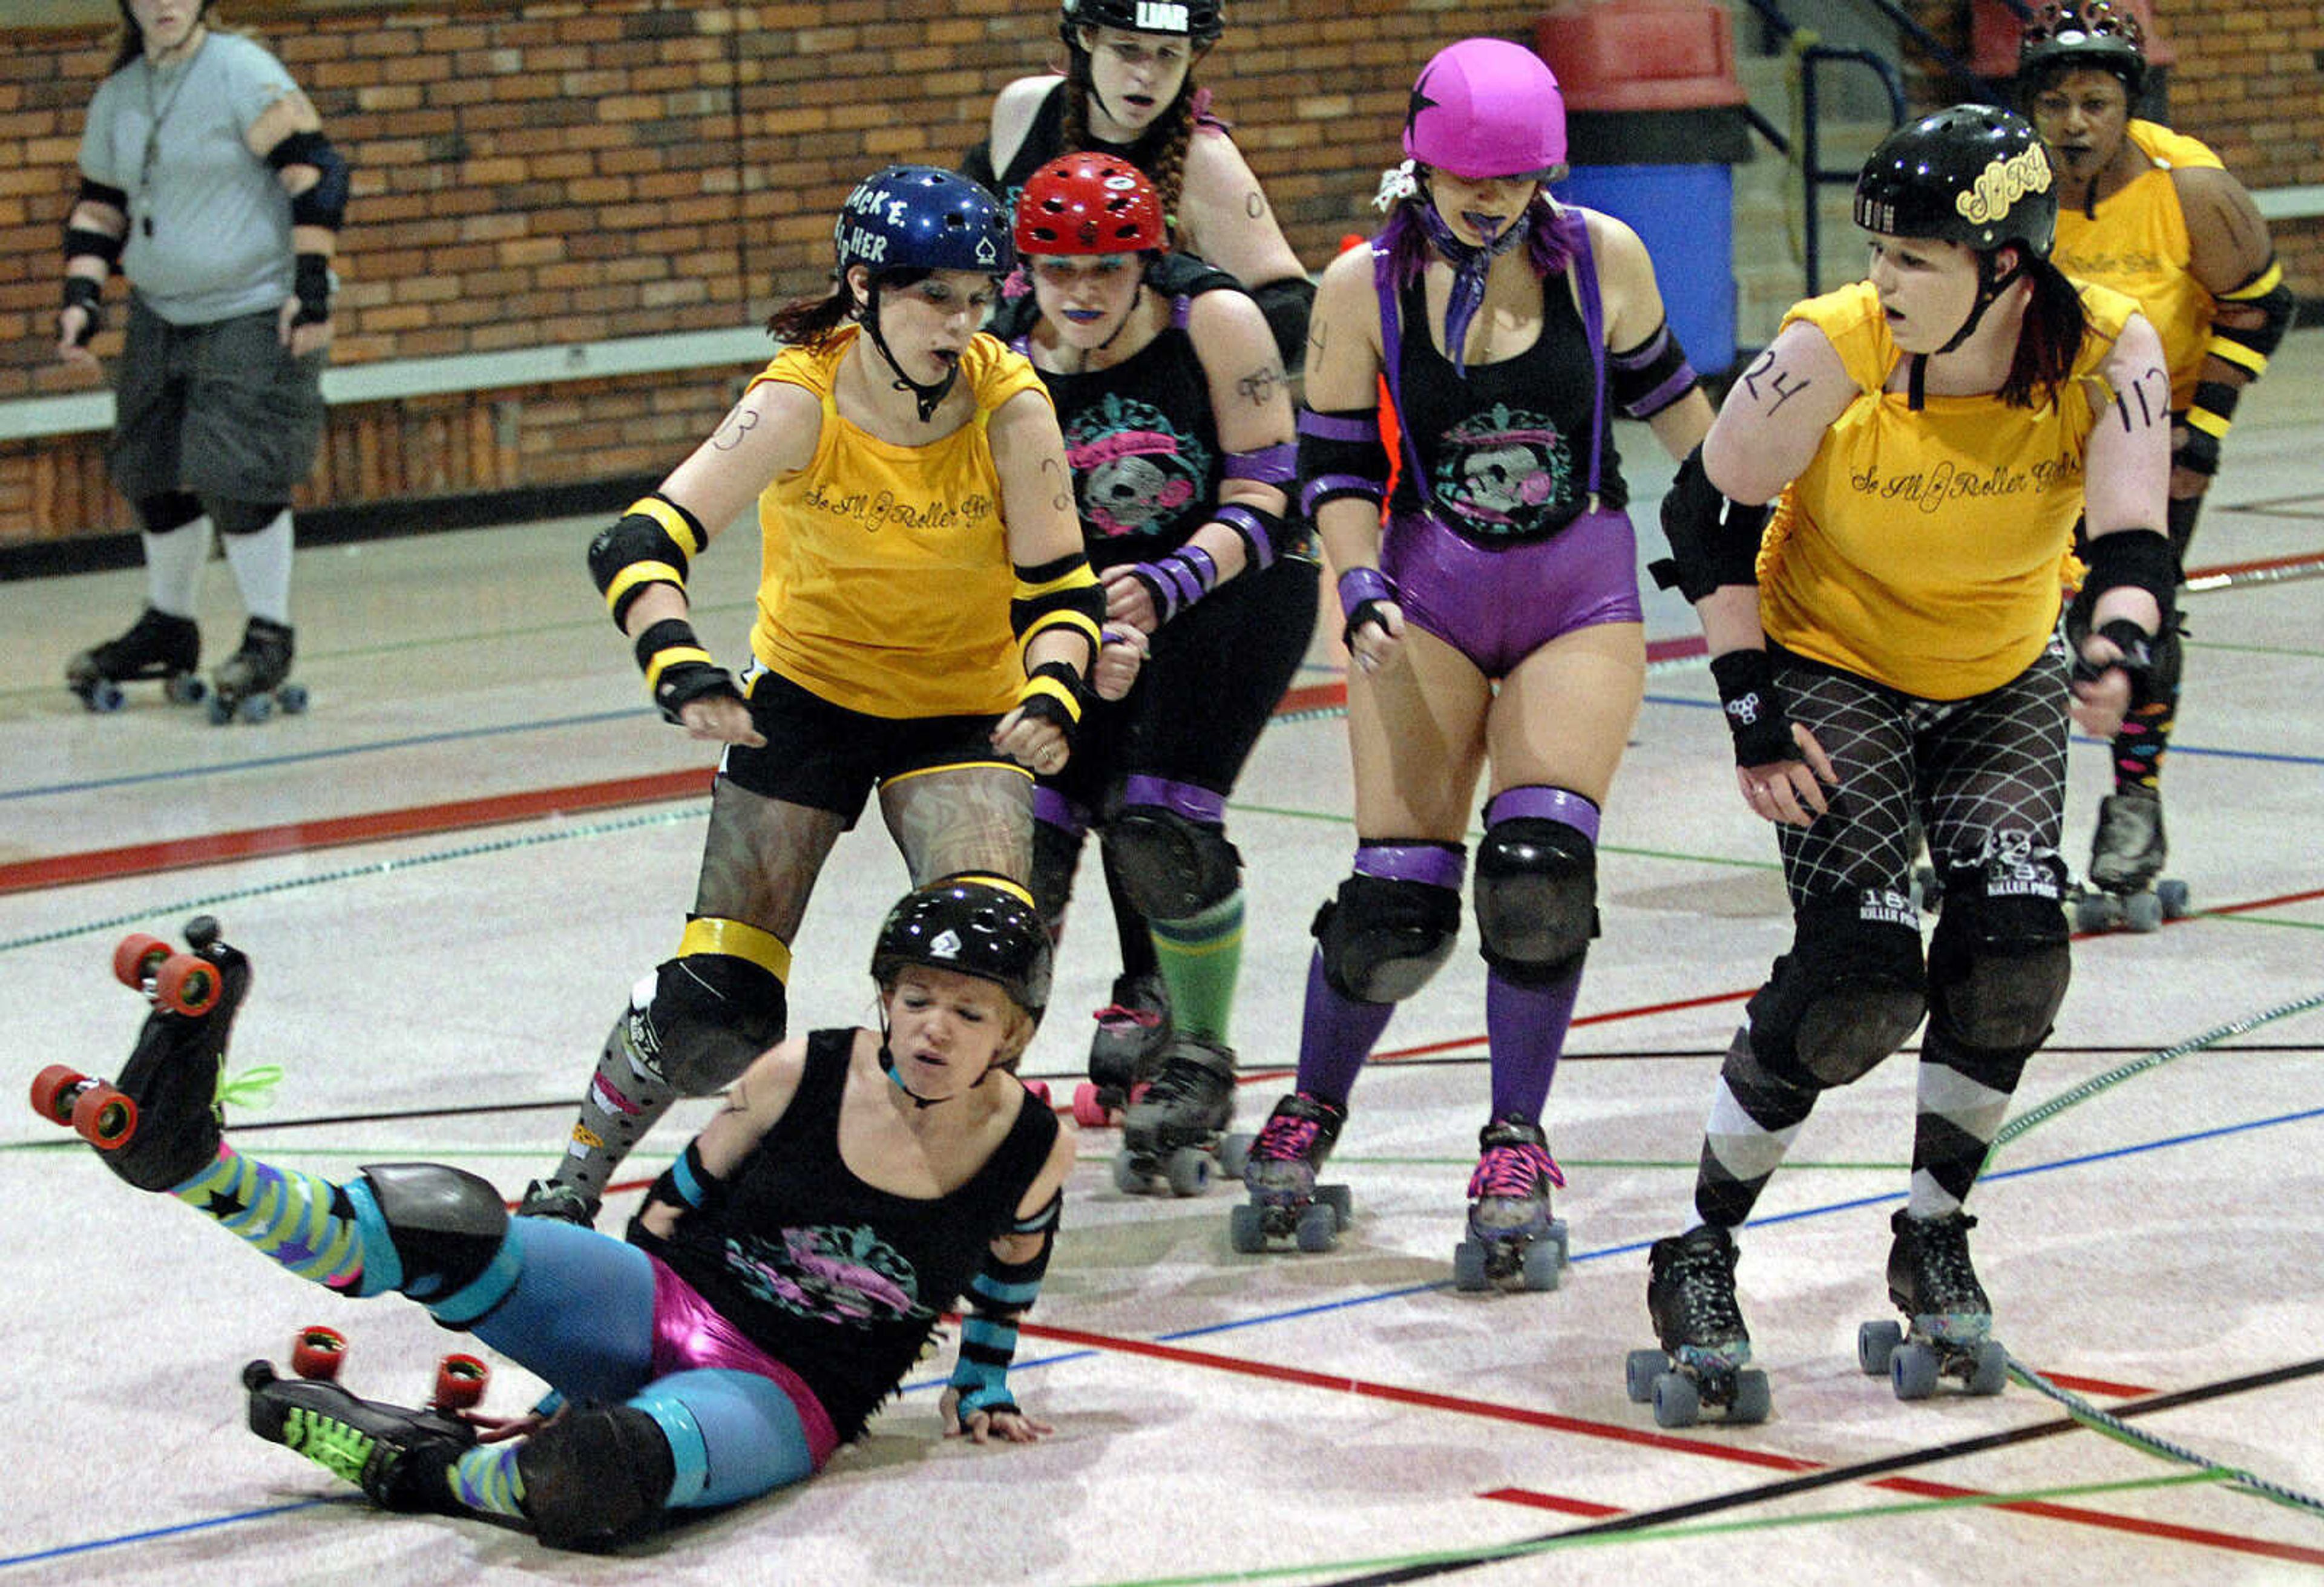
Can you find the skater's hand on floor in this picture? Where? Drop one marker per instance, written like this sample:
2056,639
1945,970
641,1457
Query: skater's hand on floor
1004,1424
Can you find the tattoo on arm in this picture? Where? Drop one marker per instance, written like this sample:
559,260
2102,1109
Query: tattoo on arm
738,1098
1061,500
1782,384
736,428
1259,387
2150,410
1254,203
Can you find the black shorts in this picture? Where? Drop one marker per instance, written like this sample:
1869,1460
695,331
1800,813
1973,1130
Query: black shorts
827,757
219,410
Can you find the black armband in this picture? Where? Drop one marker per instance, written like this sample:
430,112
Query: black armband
678,669
1753,707
1341,453
654,542
1287,305
1063,594
1651,376
1714,539
323,204
83,243
687,1183
311,283
81,292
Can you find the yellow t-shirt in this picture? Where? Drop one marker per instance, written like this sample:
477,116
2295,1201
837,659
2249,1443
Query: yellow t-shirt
2138,245
1924,550
884,575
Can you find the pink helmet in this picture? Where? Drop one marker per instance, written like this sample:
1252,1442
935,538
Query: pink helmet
1486,108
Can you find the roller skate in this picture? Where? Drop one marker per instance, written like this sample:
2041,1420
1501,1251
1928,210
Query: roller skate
554,1198
1132,1033
158,1124
1691,1297
249,686
1513,1241
1932,1282
399,1457
1285,1202
2126,858
157,645
1171,1133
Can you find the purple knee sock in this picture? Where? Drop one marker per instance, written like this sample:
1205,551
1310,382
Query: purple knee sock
1526,1026
1335,1037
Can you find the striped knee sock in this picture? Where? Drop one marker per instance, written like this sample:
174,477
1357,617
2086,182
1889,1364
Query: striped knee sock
486,1479
1200,957
302,1221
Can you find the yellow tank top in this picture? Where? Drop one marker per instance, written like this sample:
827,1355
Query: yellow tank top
884,575
1925,550
2138,245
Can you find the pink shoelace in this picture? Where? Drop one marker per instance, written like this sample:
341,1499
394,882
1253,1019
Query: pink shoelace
1509,1170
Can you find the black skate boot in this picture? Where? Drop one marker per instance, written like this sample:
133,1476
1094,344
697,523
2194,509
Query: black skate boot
1285,1202
399,1458
249,684
158,1124
554,1198
1171,1133
2126,856
157,645
1691,1297
1132,1030
1950,1321
1512,1237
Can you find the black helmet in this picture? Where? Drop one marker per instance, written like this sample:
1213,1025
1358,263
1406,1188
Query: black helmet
1198,21
1973,174
2069,33
977,925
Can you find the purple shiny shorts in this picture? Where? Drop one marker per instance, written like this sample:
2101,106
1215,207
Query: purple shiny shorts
1497,606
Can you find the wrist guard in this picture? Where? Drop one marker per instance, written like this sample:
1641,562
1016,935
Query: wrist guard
1754,710
311,283
687,1183
1000,1293
80,292
1363,591
679,669
1177,581
1053,694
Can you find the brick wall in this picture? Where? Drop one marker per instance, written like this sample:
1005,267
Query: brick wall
532,174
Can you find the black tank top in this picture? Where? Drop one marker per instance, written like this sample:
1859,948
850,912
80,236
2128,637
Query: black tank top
838,1280
1507,449
1044,140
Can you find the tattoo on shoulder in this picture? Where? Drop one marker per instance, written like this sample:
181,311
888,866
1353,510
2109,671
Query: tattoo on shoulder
1770,385
736,428
2136,408
1259,386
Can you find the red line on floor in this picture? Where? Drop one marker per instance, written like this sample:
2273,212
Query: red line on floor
1556,1501
2233,1541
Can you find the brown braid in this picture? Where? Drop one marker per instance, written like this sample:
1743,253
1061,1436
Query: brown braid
1169,172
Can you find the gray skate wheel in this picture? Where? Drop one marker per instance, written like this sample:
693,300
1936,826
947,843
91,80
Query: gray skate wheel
1336,1197
1127,1177
2142,912
1234,1154
1317,1229
1913,1371
291,698
2097,912
1752,1399
104,696
1247,1229
1639,1370
1469,1267
1875,1342
256,709
1560,1237
1678,1402
185,689
2172,891
1543,1261
1187,1171
1991,1373
221,711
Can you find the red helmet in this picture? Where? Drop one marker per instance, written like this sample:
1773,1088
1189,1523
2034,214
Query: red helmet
1089,203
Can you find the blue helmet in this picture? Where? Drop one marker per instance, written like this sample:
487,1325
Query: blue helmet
922,217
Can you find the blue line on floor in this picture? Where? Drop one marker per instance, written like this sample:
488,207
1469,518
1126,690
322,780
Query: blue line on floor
65,1550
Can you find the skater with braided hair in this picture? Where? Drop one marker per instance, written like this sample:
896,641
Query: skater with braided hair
783,1276
1885,651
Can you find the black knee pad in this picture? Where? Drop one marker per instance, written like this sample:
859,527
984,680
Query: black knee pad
713,1014
596,1478
1170,866
1056,856
448,1225
171,509
244,518
1848,993
1382,939
1537,898
1998,964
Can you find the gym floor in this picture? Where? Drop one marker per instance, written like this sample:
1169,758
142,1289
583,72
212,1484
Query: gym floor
450,868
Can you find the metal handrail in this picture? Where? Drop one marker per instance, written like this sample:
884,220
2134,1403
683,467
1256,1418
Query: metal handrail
1813,176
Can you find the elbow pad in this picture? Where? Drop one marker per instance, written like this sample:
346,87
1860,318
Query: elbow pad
1651,376
2249,348
325,204
654,543
1060,594
1714,539
1341,453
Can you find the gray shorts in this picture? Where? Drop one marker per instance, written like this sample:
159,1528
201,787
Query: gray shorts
221,410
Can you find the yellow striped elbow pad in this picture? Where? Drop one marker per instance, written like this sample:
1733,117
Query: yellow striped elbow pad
653,543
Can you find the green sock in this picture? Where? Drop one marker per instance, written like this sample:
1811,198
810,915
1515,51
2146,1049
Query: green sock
299,1219
1201,958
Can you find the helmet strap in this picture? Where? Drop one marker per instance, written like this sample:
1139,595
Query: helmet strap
1990,284
928,396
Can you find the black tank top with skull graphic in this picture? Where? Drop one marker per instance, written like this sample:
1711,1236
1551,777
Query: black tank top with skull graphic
1506,448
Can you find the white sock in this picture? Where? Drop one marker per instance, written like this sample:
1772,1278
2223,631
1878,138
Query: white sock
262,567
173,566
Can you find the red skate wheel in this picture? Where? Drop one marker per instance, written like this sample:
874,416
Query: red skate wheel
1038,1090
317,1352
135,958
54,1092
187,985
460,1383
103,1118
1089,1113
